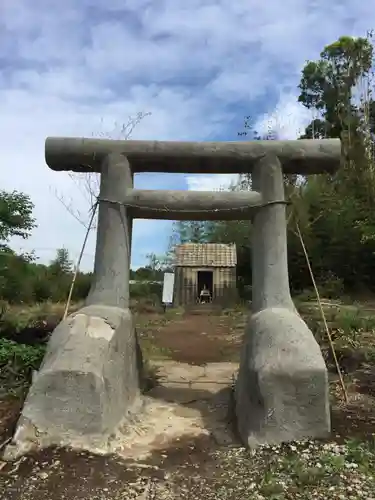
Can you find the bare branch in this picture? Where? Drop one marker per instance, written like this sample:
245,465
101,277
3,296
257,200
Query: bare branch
88,184
69,206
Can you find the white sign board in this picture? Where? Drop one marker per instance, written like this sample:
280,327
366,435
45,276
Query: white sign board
168,286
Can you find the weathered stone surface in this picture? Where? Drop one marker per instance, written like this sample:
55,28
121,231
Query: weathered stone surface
302,156
88,382
282,385
270,278
191,205
110,281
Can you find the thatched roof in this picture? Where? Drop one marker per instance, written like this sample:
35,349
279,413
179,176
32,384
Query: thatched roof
206,255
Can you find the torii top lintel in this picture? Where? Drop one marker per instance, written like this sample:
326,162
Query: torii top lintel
305,156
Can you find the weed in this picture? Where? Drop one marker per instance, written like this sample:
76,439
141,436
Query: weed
17,363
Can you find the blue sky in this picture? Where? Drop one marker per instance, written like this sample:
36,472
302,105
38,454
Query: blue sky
82,68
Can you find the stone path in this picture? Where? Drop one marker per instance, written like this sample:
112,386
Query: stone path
190,401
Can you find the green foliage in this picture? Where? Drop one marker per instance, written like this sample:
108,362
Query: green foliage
350,322
145,273
17,363
331,286
15,273
61,265
144,289
327,84
191,232
15,215
29,357
335,213
24,281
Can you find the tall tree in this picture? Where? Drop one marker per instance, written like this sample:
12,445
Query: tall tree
336,213
16,215
61,264
338,88
189,232
16,219
328,84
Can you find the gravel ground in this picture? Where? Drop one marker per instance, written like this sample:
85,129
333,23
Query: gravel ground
199,469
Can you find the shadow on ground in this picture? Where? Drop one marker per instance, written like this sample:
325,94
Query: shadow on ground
56,474
59,474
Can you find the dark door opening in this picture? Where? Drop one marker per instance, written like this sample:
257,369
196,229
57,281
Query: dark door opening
205,286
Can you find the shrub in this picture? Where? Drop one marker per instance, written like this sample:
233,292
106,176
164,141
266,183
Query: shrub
330,286
17,363
145,289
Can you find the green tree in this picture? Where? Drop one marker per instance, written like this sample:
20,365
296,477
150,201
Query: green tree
327,85
157,266
341,207
186,231
61,264
335,213
15,277
59,274
22,279
16,217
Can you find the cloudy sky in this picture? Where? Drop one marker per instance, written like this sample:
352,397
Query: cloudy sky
82,68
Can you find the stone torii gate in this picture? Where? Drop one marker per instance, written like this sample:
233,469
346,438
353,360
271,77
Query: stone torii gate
88,383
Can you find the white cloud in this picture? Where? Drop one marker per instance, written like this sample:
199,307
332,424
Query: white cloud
74,68
216,182
288,120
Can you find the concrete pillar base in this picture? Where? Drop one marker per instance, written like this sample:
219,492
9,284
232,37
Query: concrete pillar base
87,385
282,391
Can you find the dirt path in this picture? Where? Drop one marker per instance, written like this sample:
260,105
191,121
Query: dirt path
183,447
186,450
185,417
199,339
189,402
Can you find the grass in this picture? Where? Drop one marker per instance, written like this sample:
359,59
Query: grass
302,470
147,325
352,327
22,347
21,325
335,469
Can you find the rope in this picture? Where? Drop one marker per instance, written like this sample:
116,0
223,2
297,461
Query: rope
323,315
276,202
320,304
100,199
166,209
76,270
